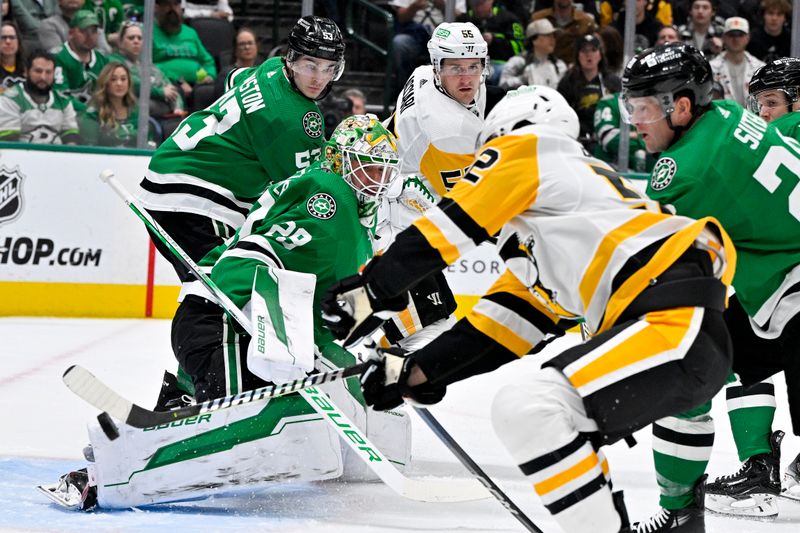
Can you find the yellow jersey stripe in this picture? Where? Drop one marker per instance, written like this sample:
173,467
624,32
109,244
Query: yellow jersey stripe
437,240
562,478
499,334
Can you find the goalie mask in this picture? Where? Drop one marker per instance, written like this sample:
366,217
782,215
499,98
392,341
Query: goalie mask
320,38
457,40
364,153
526,106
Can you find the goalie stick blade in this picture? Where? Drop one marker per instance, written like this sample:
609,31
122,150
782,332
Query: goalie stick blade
84,384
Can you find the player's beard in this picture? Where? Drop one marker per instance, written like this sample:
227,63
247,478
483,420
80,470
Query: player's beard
35,90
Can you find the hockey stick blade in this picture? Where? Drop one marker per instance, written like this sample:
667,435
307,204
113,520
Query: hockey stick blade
96,393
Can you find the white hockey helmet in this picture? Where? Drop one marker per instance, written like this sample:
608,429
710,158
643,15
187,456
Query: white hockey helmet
456,40
528,105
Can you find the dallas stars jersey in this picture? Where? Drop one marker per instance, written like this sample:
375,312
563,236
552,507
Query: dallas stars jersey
734,166
789,124
221,159
35,123
76,79
578,224
435,134
307,223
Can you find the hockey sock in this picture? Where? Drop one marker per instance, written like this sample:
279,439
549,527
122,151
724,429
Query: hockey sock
681,450
751,411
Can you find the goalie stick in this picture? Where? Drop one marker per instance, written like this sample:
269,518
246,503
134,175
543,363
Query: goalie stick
421,490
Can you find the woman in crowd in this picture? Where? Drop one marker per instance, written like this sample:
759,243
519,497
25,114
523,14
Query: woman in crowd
165,99
12,62
586,83
112,115
245,54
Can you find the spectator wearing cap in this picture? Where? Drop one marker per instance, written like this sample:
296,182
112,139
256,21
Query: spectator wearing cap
647,26
501,29
538,66
78,63
703,29
29,14
734,67
586,83
570,24
771,38
53,31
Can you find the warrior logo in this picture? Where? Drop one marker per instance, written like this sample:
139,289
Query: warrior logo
10,194
321,206
312,124
663,173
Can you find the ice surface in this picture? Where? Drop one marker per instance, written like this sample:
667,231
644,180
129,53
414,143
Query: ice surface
43,433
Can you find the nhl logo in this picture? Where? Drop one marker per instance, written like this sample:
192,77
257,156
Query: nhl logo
10,194
312,124
322,206
663,173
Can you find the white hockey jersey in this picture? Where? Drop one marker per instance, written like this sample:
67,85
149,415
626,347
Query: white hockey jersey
577,220
435,134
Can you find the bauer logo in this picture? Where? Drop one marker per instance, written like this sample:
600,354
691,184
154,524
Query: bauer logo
312,124
321,206
10,194
663,173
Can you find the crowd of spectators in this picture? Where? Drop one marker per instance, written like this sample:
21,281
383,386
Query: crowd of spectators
95,48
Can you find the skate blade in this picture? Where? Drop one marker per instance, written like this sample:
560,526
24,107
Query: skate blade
52,492
754,507
792,496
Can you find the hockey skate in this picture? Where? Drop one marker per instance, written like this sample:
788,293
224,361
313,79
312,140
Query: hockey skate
752,491
791,481
73,491
687,520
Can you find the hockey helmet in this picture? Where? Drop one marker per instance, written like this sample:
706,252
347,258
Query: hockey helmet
364,153
456,40
666,72
526,106
317,37
779,75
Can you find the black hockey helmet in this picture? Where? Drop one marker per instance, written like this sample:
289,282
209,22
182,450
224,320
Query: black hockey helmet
778,75
674,69
316,37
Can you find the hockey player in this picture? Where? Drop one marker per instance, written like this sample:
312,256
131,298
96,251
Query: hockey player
743,170
440,110
651,287
319,222
202,181
774,97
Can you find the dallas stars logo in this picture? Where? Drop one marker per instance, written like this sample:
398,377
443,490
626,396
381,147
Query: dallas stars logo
663,173
312,124
321,206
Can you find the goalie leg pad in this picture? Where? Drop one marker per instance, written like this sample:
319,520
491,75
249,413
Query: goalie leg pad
237,449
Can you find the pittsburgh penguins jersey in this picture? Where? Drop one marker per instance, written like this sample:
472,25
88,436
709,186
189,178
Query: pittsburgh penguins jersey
577,223
221,159
51,122
435,134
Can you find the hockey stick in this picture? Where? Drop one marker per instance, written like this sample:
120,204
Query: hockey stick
429,491
87,386
476,470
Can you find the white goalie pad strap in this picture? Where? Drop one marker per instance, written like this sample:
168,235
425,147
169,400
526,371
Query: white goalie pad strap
282,314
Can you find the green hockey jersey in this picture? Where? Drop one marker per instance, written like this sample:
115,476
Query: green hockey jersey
308,223
221,159
734,166
607,119
789,124
76,79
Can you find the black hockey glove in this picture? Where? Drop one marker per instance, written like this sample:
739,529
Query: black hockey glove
385,383
351,309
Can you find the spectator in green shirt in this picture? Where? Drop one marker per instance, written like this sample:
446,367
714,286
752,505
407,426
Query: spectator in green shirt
112,116
78,63
177,49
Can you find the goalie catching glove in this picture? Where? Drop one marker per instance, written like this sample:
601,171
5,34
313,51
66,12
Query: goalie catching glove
385,382
353,309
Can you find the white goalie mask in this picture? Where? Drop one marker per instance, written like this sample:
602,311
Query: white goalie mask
457,40
529,105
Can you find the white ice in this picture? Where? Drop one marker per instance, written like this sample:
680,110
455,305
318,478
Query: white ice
43,431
